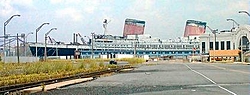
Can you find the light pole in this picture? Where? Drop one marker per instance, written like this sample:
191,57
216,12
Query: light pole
26,37
135,45
8,50
7,22
92,45
36,33
4,32
229,19
25,42
245,12
241,47
214,31
45,51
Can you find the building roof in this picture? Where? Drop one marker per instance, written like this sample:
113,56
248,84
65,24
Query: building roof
224,53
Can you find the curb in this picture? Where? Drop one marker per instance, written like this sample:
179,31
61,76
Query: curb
55,85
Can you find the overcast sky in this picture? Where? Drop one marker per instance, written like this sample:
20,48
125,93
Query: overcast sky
164,18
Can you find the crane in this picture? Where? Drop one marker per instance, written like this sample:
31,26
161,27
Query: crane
52,40
83,41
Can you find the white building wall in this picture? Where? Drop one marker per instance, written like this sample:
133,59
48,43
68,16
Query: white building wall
234,38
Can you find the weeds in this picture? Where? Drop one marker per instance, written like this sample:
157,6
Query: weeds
31,72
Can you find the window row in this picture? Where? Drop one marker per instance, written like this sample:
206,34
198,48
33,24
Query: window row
149,46
222,45
142,52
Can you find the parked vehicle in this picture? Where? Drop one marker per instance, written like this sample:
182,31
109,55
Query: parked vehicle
113,61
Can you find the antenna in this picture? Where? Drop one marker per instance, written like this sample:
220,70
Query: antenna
105,25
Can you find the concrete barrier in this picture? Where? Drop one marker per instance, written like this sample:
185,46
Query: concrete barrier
22,59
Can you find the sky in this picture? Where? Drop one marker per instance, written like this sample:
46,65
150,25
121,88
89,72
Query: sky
165,19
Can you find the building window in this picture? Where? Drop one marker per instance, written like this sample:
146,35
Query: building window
222,45
211,45
228,45
216,45
203,47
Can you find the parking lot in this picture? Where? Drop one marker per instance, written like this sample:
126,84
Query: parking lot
164,78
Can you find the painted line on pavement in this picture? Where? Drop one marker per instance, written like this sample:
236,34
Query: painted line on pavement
229,69
210,80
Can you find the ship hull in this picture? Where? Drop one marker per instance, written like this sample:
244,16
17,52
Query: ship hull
86,51
51,51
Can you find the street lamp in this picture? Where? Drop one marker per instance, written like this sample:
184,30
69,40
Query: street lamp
214,31
7,22
36,33
26,37
25,42
229,19
4,32
45,51
245,12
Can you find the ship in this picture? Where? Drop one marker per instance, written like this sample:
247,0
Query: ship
132,42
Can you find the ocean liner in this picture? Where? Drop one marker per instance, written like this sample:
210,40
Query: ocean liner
133,42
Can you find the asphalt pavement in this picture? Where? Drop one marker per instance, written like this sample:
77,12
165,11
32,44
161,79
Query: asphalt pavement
165,78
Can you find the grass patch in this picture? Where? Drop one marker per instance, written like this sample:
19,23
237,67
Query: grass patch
13,73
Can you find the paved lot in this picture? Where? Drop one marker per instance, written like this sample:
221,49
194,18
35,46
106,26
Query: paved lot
163,78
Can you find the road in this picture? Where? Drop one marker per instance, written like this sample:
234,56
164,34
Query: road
163,78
